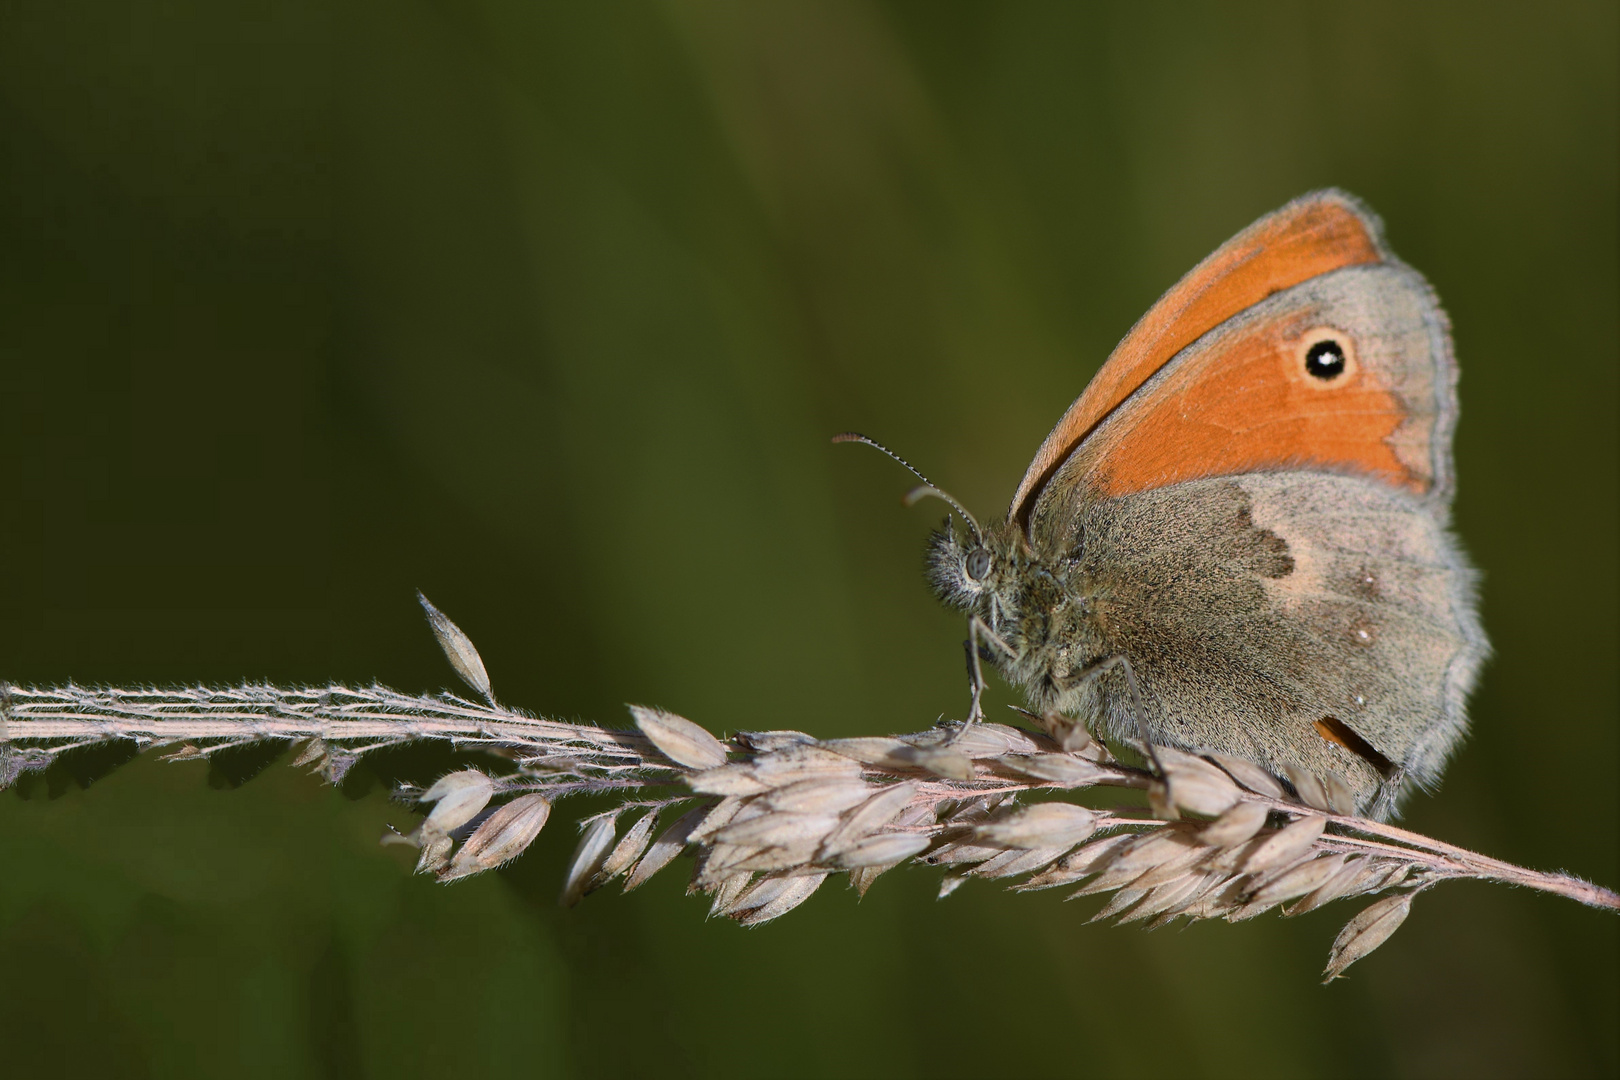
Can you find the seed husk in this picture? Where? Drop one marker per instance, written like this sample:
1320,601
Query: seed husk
869,816
777,829
1018,861
723,860
987,740
1063,770
1369,929
1236,826
1352,870
1312,792
458,797
500,837
884,849
821,796
762,891
862,877
961,853
777,859
1172,868
1390,874
458,649
1044,825
791,764
1234,858
913,815
1296,881
734,779
1286,844
967,811
1251,776
628,849
763,742
951,764
728,890
1223,897
594,848
435,855
1341,799
678,739
1167,895
718,817
869,751
1197,785
1245,911
1148,852
1212,882
793,892
1117,904
1088,860
664,850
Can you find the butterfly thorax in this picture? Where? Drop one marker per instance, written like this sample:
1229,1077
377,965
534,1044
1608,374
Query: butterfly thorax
1041,607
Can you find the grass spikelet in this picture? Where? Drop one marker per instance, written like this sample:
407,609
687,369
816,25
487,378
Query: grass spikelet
678,739
1364,933
503,836
770,815
458,649
588,859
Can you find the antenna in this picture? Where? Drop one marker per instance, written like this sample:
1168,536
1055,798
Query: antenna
928,490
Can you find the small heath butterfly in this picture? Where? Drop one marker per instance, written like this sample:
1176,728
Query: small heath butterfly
1236,540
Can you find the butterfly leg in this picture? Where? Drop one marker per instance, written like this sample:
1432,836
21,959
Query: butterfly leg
1389,793
1102,667
976,684
975,676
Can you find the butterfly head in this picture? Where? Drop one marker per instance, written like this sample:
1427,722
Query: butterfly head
1038,612
970,571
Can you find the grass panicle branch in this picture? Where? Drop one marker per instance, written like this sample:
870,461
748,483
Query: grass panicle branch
769,816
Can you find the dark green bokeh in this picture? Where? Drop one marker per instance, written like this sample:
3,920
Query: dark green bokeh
549,311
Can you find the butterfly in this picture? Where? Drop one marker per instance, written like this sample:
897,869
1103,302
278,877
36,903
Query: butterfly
1236,541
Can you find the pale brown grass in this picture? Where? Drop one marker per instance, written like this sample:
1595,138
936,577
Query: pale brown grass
769,816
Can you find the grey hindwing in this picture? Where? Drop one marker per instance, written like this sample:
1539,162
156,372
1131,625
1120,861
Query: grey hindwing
1253,607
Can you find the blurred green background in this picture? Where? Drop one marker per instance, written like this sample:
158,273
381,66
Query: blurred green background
549,310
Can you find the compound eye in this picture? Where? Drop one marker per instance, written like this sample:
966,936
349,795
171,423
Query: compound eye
978,564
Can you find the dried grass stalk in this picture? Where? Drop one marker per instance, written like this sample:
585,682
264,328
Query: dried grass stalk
770,815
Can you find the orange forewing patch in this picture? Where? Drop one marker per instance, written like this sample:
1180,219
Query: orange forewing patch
1305,239
1243,406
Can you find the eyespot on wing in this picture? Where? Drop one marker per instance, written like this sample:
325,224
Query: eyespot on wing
1313,235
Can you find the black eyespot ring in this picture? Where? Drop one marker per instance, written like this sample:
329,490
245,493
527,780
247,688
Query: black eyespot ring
1325,360
978,564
